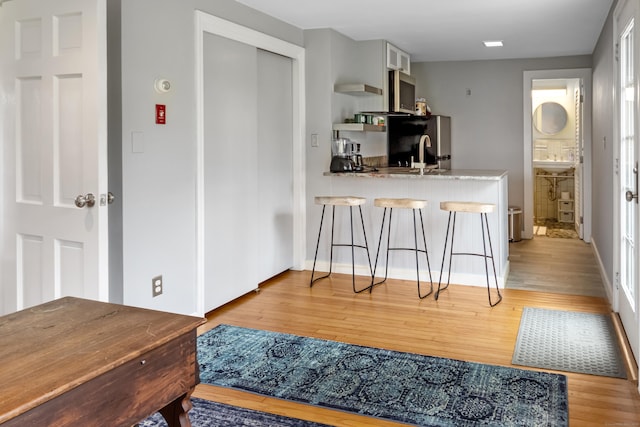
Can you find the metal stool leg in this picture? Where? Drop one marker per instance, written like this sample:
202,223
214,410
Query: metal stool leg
333,215
424,241
444,253
315,257
366,246
353,246
386,269
484,220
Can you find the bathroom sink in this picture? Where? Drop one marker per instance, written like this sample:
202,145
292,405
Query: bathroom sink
553,166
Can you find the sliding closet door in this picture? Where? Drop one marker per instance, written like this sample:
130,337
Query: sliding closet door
231,169
275,165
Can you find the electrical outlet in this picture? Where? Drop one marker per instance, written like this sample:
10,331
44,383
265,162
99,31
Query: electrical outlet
156,286
314,139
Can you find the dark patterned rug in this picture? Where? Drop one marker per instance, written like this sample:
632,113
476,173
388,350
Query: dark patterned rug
213,414
404,387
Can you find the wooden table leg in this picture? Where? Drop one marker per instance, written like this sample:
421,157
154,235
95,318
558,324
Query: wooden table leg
176,412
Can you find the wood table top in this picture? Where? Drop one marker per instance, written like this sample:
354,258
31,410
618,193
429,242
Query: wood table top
52,348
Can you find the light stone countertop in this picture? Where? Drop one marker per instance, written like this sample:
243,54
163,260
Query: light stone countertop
436,174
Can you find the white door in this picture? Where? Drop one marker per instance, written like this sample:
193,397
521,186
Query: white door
231,169
627,173
275,164
53,91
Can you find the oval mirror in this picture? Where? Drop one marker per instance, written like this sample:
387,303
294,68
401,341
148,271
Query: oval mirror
550,118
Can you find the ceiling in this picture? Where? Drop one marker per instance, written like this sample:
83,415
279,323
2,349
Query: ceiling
453,30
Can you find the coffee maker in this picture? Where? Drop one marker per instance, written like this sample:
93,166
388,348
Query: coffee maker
345,156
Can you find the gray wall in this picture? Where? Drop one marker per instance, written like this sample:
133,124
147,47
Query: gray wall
158,194
602,152
486,126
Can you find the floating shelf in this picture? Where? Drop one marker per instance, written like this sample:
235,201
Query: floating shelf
358,127
357,89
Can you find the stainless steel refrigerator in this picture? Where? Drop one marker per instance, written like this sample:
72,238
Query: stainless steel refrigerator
403,140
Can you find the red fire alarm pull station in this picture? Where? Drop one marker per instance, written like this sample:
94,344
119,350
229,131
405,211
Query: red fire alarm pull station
161,114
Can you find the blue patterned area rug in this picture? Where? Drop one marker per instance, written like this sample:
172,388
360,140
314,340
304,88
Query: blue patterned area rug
568,341
213,414
403,387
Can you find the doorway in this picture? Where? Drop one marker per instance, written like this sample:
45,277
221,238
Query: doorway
557,150
557,154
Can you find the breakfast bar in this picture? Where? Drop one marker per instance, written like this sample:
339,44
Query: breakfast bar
435,186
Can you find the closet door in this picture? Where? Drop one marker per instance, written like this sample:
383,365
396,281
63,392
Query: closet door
231,169
275,164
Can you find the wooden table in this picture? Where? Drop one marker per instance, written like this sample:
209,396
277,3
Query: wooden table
79,362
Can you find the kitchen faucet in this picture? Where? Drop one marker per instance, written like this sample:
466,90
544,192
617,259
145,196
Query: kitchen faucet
421,165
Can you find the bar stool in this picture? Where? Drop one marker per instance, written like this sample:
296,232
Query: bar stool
414,205
470,207
349,201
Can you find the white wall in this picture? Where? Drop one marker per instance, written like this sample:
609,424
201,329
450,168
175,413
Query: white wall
158,195
486,126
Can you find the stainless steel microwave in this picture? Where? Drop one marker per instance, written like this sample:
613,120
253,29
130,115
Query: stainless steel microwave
402,93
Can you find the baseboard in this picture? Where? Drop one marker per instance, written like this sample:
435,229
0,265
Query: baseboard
608,287
410,274
627,354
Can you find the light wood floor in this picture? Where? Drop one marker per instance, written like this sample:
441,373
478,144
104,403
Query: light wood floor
459,325
548,264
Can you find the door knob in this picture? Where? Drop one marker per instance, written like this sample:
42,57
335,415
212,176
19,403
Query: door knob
89,200
630,195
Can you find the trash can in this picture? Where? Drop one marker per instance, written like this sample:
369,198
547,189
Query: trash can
515,223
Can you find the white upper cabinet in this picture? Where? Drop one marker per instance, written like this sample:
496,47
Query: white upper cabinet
398,59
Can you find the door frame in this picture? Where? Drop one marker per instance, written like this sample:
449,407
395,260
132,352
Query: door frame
206,23
616,291
583,74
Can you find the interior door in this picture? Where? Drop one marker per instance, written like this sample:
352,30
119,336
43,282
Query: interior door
231,169
275,165
53,86
627,178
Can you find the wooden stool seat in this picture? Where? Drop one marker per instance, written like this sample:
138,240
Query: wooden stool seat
414,205
340,200
473,207
350,202
400,203
455,207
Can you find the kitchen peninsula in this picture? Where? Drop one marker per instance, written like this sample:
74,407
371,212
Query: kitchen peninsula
435,186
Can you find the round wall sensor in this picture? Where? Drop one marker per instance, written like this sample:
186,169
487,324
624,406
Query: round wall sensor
162,85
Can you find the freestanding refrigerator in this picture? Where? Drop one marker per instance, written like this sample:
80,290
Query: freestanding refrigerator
403,139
